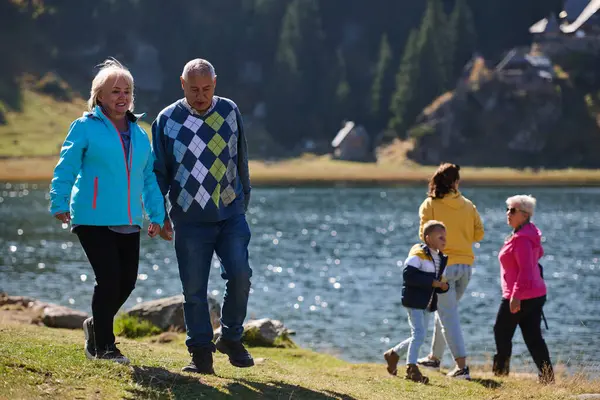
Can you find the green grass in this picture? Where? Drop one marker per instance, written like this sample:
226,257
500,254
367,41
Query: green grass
41,126
133,327
39,362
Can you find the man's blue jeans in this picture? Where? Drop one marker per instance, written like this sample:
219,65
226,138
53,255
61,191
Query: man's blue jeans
194,246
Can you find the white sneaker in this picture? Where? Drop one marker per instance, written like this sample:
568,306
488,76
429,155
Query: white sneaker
459,373
428,363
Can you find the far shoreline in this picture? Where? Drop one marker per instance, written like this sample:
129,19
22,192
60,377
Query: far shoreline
320,171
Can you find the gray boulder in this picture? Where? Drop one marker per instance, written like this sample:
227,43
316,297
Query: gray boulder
264,332
56,316
167,312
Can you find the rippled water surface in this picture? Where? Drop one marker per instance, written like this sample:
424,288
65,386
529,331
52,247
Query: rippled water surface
328,262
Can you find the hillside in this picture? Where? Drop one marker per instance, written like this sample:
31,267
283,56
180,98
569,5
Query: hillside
296,68
39,128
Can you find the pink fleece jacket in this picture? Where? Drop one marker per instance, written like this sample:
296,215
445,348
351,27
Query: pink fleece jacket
519,269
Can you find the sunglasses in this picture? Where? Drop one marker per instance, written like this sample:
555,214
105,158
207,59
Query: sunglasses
513,210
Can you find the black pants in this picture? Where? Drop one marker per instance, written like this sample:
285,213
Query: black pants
115,259
529,319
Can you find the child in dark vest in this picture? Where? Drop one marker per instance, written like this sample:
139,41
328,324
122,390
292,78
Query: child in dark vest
423,280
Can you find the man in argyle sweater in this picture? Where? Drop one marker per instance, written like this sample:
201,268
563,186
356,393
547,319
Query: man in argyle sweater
201,164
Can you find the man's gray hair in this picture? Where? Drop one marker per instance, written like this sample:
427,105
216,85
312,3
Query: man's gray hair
522,202
198,66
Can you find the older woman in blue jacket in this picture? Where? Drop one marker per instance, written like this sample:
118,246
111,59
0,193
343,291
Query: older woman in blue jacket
104,174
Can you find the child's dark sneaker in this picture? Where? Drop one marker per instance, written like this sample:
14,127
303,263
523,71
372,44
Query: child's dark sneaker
202,361
459,373
392,358
112,353
90,343
413,374
238,355
428,363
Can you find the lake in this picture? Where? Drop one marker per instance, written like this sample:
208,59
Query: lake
328,263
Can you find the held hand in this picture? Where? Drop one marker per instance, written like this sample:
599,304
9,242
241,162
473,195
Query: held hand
515,305
444,286
65,217
153,230
167,231
436,284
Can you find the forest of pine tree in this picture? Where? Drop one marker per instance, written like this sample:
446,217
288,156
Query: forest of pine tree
316,63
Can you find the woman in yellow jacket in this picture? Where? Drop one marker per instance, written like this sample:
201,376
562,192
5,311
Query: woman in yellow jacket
464,228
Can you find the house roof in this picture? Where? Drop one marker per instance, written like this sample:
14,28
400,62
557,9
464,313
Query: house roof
578,11
341,135
546,25
582,18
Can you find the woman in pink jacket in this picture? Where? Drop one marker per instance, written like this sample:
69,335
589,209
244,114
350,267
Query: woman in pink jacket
523,290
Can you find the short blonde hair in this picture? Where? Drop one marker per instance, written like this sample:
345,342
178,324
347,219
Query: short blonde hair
522,202
431,226
110,68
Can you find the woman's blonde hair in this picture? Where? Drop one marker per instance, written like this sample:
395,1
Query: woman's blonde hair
110,68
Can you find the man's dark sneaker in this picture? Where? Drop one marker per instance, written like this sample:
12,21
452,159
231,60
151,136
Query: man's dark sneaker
428,363
238,355
112,353
459,373
90,342
202,361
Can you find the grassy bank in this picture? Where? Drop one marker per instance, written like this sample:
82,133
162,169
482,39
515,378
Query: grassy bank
311,170
31,139
39,362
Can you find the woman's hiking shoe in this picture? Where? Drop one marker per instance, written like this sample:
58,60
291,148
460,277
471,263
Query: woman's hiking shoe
112,353
428,363
90,343
501,366
414,374
202,361
392,358
546,376
238,355
460,373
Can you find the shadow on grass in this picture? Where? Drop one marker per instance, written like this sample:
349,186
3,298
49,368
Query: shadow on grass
160,383
487,383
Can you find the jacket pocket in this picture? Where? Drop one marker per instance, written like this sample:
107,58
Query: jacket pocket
95,193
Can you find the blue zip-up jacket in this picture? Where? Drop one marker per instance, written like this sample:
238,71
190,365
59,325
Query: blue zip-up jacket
97,183
419,274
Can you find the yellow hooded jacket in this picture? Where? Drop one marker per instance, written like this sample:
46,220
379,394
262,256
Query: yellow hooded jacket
463,225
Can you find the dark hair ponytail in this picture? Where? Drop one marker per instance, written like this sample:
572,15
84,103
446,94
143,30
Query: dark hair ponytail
442,182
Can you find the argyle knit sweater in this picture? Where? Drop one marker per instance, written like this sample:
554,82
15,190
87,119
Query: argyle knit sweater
201,161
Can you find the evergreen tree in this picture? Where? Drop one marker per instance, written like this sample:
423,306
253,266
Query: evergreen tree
300,88
434,43
377,104
463,38
422,75
402,102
